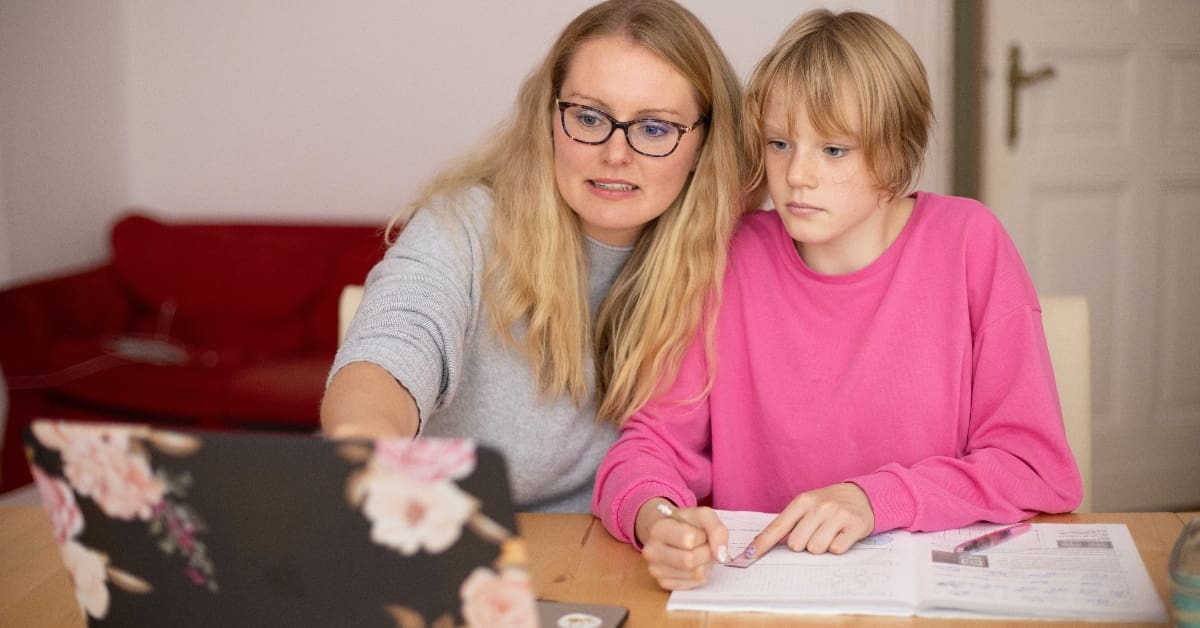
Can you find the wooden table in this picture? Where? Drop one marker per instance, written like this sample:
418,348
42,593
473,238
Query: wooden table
34,587
573,559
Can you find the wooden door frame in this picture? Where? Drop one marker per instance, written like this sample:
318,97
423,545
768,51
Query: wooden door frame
967,108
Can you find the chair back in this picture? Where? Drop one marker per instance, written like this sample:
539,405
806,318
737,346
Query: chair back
347,306
1068,334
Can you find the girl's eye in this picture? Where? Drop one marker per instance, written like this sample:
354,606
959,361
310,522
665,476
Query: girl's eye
836,151
778,145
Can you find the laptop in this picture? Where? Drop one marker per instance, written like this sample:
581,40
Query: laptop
168,527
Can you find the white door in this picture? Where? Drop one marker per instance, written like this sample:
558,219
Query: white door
1101,191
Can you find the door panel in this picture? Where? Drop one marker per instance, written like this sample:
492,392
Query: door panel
1101,193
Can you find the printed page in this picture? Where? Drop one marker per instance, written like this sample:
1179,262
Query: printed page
1068,571
875,577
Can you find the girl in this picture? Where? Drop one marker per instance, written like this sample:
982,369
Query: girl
547,281
881,360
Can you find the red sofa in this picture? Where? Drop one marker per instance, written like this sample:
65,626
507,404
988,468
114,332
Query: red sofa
215,325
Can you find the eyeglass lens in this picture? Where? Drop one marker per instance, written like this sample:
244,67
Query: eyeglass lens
648,136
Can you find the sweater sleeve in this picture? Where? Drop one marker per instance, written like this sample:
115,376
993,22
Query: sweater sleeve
663,451
1015,461
420,303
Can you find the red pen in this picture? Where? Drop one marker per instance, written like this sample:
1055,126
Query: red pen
992,539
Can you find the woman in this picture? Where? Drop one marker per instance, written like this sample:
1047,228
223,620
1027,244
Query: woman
547,282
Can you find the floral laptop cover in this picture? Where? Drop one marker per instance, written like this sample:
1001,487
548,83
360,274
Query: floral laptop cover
187,528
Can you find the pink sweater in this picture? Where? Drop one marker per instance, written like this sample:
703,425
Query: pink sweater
923,378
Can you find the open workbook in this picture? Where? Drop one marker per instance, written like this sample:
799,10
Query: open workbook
1056,571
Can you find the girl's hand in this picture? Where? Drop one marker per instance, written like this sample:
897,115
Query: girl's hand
680,545
830,519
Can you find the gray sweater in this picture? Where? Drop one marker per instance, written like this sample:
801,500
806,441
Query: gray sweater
423,320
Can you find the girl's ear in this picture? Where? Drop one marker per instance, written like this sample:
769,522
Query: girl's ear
885,197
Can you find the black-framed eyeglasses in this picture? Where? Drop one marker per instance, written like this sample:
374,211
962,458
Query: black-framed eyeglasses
649,136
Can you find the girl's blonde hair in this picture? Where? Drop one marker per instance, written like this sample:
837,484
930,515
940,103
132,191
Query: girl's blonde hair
824,57
536,272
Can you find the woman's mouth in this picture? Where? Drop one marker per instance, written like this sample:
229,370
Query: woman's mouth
613,186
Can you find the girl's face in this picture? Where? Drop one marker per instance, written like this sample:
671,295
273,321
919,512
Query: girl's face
613,189
825,193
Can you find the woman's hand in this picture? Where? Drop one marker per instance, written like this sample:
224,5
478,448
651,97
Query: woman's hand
830,519
680,545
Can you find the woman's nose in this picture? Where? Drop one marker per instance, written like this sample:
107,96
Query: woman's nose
616,150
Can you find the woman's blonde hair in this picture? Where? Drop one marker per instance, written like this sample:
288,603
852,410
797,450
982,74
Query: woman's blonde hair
822,58
536,273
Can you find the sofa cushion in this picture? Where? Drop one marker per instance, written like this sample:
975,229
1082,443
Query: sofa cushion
92,376
237,289
282,393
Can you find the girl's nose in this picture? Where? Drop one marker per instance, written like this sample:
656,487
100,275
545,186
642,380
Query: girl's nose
800,173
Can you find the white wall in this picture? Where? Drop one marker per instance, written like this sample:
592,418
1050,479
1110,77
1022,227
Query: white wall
63,164
319,111
5,247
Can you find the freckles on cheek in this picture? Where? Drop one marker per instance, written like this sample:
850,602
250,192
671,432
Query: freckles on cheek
776,172
846,175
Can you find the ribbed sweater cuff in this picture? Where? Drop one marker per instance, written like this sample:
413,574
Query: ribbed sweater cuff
625,508
891,501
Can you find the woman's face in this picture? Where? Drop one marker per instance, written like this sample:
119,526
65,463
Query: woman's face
614,189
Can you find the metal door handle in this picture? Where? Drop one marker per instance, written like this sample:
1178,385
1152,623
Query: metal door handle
1016,80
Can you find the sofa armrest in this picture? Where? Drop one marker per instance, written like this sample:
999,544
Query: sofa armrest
87,303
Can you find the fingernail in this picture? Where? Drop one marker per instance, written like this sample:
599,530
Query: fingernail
749,551
722,554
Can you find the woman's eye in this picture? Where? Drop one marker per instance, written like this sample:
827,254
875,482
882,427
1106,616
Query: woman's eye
589,118
654,129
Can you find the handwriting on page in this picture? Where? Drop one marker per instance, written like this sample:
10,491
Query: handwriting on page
1054,571
860,573
1055,565
868,572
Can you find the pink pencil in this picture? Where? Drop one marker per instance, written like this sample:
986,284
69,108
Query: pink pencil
992,539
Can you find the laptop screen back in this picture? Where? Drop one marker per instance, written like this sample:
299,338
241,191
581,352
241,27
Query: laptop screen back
186,528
